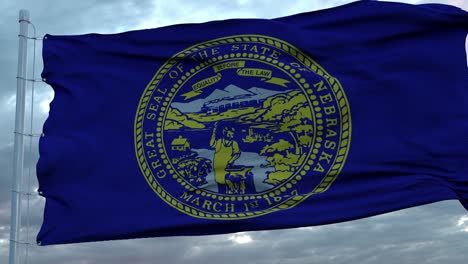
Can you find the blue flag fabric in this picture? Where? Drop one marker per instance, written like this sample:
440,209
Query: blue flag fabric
254,124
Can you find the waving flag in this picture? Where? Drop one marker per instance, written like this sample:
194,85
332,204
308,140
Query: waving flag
254,124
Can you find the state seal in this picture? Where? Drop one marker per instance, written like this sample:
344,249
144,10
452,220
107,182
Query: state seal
241,126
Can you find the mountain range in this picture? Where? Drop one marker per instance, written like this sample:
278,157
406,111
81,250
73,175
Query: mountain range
230,93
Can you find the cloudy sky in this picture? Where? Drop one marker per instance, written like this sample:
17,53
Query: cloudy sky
436,233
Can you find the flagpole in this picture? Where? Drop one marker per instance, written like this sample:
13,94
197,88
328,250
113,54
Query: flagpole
18,156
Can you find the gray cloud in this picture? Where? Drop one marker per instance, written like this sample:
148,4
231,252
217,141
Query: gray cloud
426,234
419,235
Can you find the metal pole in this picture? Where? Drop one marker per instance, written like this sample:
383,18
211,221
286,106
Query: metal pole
18,156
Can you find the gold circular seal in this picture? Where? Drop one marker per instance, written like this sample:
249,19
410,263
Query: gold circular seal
239,127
